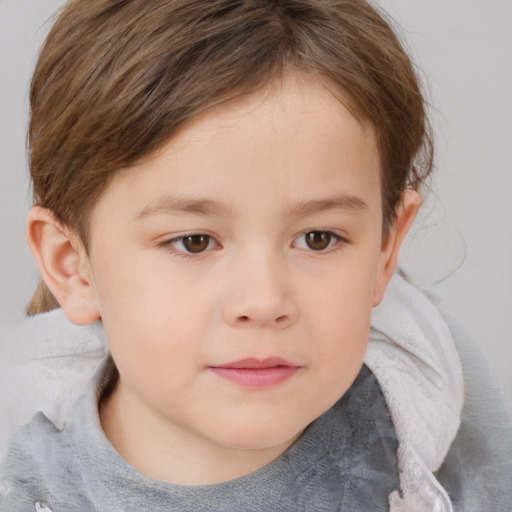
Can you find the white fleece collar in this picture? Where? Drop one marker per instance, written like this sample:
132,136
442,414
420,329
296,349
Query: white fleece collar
46,364
413,356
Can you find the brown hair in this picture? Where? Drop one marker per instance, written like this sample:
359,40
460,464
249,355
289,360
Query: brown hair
117,78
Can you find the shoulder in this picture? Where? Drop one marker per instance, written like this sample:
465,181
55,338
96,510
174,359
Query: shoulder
22,473
450,415
477,470
40,466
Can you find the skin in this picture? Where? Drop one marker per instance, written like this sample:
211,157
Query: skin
254,176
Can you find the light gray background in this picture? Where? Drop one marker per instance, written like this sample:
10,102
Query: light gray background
464,48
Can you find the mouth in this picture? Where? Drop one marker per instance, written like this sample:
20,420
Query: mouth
255,373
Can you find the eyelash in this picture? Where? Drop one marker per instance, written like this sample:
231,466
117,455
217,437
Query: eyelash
336,243
170,245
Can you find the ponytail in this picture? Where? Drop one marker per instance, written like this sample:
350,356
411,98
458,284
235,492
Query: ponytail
42,301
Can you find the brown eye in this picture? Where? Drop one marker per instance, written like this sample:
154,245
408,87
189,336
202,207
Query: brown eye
196,243
318,240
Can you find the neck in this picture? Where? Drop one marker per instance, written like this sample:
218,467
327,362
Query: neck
165,451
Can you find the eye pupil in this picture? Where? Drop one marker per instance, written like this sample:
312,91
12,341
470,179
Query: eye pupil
318,240
196,243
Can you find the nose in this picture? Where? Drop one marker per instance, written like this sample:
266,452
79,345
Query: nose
260,295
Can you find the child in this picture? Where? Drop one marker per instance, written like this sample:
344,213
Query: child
226,186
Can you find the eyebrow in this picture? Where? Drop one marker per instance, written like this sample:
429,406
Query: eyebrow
206,207
178,205
344,203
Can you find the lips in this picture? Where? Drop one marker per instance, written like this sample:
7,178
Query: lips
257,373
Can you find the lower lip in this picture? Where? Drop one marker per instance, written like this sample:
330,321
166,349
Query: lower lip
256,378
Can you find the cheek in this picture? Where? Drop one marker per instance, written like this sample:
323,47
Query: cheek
150,317
340,315
143,287
343,294
342,338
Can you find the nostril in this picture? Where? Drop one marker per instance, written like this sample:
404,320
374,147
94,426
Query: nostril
281,321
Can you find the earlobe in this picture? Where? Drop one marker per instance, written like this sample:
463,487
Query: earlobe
405,215
63,264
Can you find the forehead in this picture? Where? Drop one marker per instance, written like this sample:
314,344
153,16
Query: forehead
291,142
295,105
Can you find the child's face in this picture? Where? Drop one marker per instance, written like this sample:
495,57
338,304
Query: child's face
255,234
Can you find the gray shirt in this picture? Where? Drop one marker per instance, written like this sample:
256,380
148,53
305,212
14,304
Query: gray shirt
345,460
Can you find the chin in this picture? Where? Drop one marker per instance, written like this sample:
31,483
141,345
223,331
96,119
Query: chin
259,437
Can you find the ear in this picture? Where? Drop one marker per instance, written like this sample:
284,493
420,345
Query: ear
405,215
64,265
